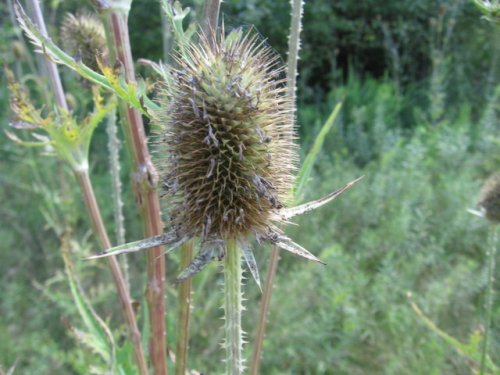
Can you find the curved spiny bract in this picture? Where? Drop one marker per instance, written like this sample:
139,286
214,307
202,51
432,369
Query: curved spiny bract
229,132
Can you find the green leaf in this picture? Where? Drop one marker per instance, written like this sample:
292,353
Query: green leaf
98,337
307,165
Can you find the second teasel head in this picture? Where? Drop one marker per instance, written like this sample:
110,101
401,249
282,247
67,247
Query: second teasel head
229,136
83,37
489,198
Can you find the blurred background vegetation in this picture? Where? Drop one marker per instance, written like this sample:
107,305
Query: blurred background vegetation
420,119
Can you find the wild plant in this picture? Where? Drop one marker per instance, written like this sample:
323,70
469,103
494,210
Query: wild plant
226,151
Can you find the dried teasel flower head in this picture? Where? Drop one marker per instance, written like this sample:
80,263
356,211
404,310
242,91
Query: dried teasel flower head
489,198
229,131
83,37
226,154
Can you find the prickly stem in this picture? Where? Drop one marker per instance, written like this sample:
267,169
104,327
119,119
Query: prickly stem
492,244
232,309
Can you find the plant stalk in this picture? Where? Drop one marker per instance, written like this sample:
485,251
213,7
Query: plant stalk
181,354
264,311
294,46
211,17
492,244
232,309
114,167
99,231
53,74
115,17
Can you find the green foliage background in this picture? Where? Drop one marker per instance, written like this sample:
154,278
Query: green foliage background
420,84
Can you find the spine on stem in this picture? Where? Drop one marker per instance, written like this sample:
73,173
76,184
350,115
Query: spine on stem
232,309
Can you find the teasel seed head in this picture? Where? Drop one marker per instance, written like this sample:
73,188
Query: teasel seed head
83,37
229,133
489,198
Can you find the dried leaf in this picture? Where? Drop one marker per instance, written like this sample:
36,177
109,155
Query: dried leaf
170,239
209,251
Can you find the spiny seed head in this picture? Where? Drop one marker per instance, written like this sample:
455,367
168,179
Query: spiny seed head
229,133
489,198
83,37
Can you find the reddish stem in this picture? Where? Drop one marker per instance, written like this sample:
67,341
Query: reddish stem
144,181
99,231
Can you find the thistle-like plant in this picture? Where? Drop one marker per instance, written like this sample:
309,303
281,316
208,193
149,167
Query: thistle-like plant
227,157
227,154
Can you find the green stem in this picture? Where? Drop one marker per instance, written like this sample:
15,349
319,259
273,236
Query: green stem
114,166
232,309
212,8
492,245
181,353
294,46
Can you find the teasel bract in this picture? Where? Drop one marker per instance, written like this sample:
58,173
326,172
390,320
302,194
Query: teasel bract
227,152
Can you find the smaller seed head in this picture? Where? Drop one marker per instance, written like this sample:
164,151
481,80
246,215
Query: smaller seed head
489,198
83,37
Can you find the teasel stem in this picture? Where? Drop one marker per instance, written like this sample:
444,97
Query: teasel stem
212,8
55,82
54,78
294,46
99,231
232,309
183,319
293,54
167,36
115,17
492,249
116,184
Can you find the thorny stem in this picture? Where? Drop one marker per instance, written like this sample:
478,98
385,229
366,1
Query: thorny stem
212,8
294,46
99,231
492,244
293,53
167,36
114,166
264,310
54,78
115,16
232,309
183,319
